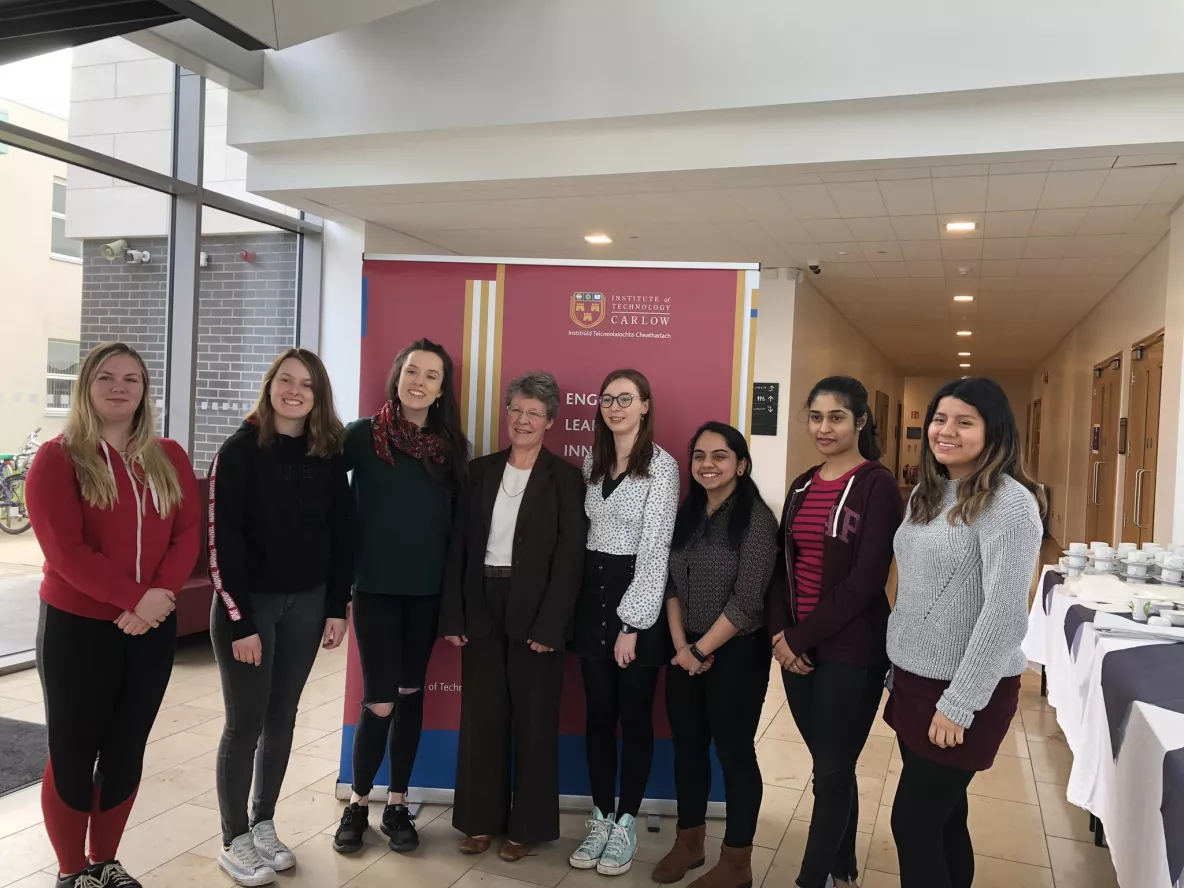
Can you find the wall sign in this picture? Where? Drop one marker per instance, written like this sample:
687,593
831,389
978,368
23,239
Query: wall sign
764,407
914,433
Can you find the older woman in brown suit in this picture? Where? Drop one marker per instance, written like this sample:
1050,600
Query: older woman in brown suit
513,576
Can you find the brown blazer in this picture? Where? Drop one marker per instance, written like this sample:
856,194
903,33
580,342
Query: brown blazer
549,541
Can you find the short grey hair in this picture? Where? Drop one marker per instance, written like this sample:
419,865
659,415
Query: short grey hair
538,384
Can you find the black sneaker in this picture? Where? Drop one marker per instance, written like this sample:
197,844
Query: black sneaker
84,879
399,826
112,875
354,822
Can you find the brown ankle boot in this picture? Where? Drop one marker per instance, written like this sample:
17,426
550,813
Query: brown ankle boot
687,854
734,870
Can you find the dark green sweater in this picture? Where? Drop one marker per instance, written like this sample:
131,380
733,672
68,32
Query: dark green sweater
402,520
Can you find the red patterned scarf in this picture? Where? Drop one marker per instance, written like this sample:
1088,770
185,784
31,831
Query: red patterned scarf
392,429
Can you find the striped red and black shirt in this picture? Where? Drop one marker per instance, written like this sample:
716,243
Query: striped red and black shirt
809,526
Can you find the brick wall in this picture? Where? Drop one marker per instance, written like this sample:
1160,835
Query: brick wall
246,316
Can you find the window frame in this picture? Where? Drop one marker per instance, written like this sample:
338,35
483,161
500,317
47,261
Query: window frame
55,215
59,377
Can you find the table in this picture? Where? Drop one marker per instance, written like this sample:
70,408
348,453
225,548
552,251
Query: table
1120,704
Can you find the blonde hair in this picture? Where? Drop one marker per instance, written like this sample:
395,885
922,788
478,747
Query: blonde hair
83,437
326,434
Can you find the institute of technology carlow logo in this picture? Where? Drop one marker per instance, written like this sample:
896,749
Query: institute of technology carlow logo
587,309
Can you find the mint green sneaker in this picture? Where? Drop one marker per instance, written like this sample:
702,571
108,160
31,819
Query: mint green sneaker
599,827
618,854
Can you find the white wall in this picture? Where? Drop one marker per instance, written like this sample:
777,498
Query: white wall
1169,483
341,312
472,63
1134,310
825,344
774,349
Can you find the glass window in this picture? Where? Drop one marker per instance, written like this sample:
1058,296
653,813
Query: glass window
60,246
58,310
61,370
247,309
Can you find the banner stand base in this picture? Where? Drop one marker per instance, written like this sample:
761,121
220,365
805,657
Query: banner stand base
651,809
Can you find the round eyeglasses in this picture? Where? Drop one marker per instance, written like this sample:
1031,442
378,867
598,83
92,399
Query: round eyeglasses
531,415
623,400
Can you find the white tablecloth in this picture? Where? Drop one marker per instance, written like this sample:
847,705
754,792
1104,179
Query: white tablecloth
1125,795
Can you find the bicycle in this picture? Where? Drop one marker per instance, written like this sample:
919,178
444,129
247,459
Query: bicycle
14,512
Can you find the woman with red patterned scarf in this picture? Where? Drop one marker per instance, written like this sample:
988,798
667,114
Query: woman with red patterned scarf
409,462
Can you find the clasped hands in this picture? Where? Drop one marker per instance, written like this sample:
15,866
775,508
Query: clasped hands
461,640
787,659
153,609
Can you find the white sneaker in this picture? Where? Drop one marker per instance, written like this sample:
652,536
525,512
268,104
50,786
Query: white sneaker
275,853
241,861
589,852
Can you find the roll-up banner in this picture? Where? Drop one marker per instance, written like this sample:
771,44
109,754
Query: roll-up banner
691,329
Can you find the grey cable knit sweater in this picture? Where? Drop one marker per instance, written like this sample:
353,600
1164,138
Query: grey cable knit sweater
962,599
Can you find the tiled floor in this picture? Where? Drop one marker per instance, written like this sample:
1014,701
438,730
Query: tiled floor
1025,833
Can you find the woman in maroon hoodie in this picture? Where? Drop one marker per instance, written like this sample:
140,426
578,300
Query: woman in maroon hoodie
828,613
115,509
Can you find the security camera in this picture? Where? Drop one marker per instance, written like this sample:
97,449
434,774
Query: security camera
815,266
134,257
114,250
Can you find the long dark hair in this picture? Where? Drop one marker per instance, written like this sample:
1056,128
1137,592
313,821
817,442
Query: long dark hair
694,504
604,445
852,394
1002,455
443,416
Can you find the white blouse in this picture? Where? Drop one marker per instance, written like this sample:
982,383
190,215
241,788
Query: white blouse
499,548
637,519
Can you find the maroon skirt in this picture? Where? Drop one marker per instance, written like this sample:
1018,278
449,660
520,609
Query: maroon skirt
913,702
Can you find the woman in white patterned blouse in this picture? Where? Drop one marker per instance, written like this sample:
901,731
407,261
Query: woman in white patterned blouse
631,502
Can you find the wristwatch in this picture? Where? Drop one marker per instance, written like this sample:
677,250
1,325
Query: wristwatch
626,629
698,654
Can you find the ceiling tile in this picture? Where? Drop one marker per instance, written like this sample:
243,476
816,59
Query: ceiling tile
965,169
1116,264
1024,166
1152,219
927,269
902,173
1039,266
1172,188
1004,248
1080,265
962,251
1136,185
920,250
872,229
850,176
1017,223
915,227
1020,192
851,270
1071,189
890,269
801,253
1046,247
960,195
1056,223
1084,163
827,230
895,285
923,284
881,251
1138,244
763,204
787,231
1096,245
999,267
998,284
1146,160
1108,220
810,202
842,252
716,206
908,197
857,199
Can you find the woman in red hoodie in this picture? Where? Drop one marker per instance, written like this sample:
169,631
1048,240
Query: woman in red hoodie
115,509
828,613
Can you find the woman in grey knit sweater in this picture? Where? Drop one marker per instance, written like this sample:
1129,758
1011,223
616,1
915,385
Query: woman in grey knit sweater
966,554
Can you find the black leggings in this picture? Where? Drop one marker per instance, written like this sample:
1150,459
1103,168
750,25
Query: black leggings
722,705
102,691
613,694
929,824
395,636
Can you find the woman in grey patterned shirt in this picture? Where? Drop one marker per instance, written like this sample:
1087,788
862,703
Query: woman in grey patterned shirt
966,556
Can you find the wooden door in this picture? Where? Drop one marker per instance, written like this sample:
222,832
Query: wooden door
1146,379
1102,489
1034,438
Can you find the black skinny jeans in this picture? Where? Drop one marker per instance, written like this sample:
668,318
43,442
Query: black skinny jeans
722,705
834,708
929,824
613,694
261,703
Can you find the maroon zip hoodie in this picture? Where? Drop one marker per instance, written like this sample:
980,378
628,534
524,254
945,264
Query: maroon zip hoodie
850,621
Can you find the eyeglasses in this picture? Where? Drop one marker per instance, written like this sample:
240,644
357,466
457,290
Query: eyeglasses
531,415
623,400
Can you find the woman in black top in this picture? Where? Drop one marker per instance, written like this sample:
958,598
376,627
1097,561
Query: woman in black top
280,562
408,462
721,559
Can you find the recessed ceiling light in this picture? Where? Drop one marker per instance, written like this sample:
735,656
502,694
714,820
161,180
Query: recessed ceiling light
963,332
964,366
964,354
964,299
961,226
598,239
